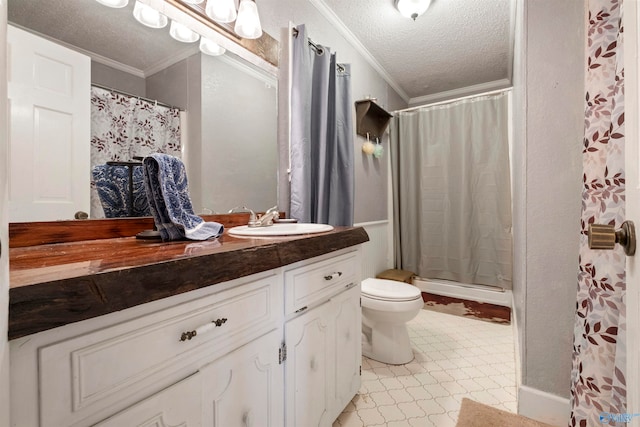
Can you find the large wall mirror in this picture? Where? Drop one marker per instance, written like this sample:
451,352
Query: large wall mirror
228,105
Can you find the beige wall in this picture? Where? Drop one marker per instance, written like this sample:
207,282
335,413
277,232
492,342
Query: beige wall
548,120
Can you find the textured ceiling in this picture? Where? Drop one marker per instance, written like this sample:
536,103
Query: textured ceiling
456,44
111,33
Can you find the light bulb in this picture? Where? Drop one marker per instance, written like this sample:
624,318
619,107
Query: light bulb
412,8
210,47
221,10
248,22
114,3
148,16
182,33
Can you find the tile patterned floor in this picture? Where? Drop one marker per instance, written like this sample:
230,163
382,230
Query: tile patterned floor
456,357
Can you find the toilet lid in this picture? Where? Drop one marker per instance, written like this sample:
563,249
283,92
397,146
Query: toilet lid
389,290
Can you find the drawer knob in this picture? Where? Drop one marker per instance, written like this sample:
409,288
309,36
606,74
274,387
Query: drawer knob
333,276
186,336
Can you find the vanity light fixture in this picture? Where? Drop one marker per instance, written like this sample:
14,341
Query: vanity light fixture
181,33
210,47
146,15
248,22
412,8
114,3
223,11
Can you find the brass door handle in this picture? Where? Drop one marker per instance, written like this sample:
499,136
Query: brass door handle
606,236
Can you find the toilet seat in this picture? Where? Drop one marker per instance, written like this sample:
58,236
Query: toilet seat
389,290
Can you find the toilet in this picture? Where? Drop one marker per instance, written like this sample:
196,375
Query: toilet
387,306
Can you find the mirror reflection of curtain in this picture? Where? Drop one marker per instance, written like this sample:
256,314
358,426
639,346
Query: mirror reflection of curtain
322,171
123,127
452,191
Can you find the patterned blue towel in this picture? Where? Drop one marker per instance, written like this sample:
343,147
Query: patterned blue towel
112,185
165,181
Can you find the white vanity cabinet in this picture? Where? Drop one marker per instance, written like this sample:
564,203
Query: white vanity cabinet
245,387
279,348
322,336
174,406
127,365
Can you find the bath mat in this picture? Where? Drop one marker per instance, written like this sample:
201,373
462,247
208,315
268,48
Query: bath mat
474,414
460,307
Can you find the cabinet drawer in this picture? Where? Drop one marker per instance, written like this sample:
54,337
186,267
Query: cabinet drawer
315,283
104,371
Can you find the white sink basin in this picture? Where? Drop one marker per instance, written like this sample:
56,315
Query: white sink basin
279,230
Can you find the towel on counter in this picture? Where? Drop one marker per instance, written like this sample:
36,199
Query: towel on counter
165,180
112,186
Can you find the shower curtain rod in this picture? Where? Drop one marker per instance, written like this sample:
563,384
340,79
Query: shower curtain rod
450,101
317,48
152,101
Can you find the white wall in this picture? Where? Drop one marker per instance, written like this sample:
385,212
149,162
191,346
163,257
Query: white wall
371,174
4,239
548,121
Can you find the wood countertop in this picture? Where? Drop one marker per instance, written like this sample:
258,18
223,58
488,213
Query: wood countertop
52,285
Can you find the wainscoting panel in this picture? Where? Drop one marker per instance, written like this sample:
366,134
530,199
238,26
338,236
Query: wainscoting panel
377,252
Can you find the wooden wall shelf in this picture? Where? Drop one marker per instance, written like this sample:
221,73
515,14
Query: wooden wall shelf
371,118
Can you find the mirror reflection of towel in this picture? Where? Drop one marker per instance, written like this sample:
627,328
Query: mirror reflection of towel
165,181
112,185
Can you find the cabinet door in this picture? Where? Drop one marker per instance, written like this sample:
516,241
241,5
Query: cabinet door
245,387
348,347
177,405
308,368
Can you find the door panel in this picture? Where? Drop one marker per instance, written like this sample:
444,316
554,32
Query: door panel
348,345
245,387
307,381
50,111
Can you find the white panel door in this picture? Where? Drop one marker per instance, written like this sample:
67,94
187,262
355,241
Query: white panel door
4,241
49,90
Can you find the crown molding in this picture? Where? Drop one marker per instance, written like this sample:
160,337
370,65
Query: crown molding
94,56
353,40
461,92
169,61
246,69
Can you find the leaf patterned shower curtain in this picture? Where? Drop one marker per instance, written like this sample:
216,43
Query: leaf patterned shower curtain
599,350
124,126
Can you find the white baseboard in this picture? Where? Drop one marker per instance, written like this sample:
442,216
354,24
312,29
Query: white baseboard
544,407
461,291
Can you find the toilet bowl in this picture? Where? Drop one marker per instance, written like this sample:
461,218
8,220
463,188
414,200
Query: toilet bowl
387,306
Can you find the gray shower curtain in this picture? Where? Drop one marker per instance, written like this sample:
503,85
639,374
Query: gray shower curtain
452,191
322,175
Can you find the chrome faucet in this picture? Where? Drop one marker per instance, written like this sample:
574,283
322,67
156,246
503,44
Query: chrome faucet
267,219
252,215
264,220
